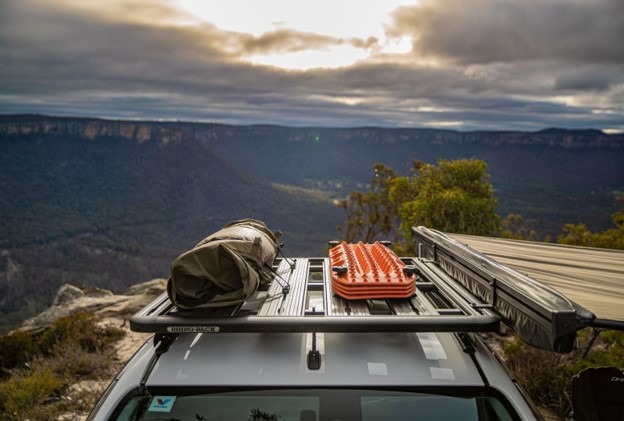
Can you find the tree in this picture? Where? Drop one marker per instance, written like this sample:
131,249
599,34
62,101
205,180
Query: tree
613,238
580,235
370,214
454,196
513,227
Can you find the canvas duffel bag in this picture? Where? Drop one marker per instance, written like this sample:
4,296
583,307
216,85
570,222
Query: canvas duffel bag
225,268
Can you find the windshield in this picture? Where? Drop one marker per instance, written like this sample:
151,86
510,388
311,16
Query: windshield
314,405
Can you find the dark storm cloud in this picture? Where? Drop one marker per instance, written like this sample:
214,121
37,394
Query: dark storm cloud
131,60
485,31
589,78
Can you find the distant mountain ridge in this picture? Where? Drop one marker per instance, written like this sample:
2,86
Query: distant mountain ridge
141,131
110,203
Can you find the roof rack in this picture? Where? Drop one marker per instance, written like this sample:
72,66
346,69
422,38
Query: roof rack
457,290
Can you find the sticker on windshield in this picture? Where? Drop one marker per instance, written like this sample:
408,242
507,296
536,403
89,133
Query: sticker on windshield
162,404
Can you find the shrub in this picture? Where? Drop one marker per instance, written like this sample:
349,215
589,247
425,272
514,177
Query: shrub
43,366
71,363
547,376
20,394
81,329
15,349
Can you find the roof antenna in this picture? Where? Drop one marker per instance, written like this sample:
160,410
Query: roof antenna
314,356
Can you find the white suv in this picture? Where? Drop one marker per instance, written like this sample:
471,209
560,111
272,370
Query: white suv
296,350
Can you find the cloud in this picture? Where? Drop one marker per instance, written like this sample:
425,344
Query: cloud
285,40
589,77
145,59
486,31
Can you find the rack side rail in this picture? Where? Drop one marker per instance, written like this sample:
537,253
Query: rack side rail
541,316
158,318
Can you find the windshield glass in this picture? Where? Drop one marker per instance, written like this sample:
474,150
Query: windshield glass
314,405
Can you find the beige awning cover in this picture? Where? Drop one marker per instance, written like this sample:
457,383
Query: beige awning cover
591,277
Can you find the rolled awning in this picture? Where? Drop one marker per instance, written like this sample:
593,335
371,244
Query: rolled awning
591,277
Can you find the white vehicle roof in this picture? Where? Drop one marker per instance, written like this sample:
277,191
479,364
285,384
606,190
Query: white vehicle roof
279,359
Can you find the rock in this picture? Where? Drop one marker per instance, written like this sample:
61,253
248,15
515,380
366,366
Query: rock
66,294
154,287
71,299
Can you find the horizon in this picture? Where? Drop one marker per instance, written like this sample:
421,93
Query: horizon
261,124
489,65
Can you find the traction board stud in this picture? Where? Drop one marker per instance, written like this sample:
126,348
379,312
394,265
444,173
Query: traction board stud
368,271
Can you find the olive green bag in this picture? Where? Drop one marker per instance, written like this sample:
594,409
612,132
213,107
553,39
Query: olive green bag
225,268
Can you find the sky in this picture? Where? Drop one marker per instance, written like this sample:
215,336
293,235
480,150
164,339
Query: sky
450,64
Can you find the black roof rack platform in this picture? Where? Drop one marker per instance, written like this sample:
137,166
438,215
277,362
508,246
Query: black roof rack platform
188,322
457,290
310,306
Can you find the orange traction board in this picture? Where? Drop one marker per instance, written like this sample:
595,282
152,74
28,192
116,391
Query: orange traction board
368,271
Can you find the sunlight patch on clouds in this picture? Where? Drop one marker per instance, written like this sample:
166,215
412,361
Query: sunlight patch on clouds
609,112
594,103
331,57
346,100
359,27
432,110
397,45
568,100
444,123
342,19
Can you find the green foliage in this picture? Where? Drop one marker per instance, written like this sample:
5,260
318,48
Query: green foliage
613,238
15,349
580,235
370,214
513,227
454,196
547,376
80,329
26,391
39,368
71,362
